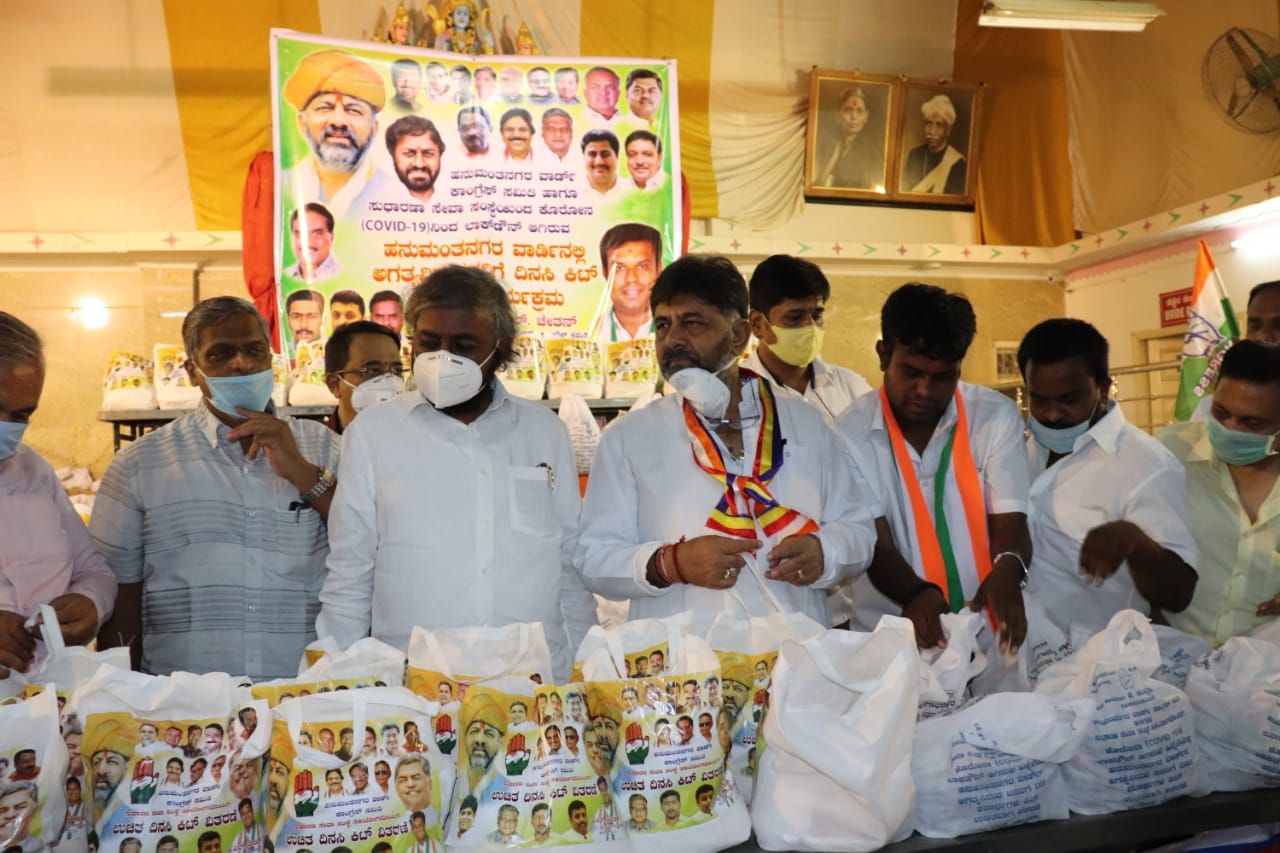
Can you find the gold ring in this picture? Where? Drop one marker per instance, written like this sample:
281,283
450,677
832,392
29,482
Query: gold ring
730,574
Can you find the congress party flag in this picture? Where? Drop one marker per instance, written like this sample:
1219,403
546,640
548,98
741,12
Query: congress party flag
1211,329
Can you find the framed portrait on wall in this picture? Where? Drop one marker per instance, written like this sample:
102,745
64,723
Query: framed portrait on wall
849,134
937,142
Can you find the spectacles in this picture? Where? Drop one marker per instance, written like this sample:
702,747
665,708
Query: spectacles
372,370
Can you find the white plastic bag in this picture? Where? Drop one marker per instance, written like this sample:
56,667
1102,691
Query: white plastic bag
323,660
307,386
664,748
319,800
32,793
584,432
128,384
173,384
1045,644
1140,749
1235,702
995,763
945,673
148,783
1179,651
747,649
834,769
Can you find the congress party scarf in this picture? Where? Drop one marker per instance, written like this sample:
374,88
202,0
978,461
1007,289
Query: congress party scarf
933,534
746,501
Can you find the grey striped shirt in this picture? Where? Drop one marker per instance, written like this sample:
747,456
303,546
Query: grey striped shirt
230,575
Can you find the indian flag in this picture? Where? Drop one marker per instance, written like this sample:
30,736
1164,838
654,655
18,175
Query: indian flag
1211,329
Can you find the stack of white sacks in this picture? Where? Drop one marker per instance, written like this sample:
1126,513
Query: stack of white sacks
660,739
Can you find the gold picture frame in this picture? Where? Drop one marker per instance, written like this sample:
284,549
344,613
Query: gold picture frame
936,145
852,123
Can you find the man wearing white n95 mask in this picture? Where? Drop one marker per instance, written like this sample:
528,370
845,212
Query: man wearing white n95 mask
463,504
725,495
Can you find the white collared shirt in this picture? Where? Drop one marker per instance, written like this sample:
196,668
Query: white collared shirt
595,119
1115,472
832,390
646,491
328,268
450,525
366,183
230,574
996,441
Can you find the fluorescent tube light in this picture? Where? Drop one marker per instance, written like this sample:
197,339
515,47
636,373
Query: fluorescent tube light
1069,14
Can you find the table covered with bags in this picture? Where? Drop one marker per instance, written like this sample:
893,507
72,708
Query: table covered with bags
768,733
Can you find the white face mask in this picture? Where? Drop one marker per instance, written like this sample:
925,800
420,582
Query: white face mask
703,389
445,379
375,390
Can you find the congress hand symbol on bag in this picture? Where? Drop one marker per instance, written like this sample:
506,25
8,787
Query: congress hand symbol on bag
145,781
446,734
517,755
306,796
637,744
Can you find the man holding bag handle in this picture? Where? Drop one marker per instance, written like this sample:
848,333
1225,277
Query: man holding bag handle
723,495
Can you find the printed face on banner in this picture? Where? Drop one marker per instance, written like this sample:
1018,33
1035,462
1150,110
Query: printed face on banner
502,180
164,783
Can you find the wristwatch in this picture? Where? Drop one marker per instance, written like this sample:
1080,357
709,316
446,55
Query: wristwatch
324,484
1021,562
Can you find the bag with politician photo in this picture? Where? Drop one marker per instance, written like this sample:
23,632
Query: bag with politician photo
747,649
176,760
32,796
834,763
389,789
1140,749
651,688
996,762
1235,704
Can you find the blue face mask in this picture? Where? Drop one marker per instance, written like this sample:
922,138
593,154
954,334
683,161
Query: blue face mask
1239,448
251,392
10,438
1061,441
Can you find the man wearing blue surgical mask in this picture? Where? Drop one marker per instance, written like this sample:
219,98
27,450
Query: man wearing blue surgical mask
1232,466
459,503
724,495
1108,512
47,555
215,523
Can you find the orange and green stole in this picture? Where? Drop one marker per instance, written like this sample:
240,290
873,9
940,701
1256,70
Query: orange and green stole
933,532
746,502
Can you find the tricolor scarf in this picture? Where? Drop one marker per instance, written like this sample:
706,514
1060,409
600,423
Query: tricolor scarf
932,533
746,502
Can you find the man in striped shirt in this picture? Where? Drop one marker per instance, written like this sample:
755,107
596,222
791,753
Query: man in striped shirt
215,523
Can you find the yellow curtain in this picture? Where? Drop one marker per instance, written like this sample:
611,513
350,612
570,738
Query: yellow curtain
222,81
666,29
1024,172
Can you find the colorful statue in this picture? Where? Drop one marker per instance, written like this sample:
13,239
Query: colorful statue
399,32
525,45
457,29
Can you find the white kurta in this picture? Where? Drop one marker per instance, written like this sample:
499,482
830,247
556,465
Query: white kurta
996,441
448,525
1115,472
646,491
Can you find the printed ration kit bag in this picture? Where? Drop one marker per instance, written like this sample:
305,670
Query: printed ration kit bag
1140,748
584,432
319,799
1179,651
631,368
33,801
174,758
575,367
127,384
280,379
661,736
173,384
747,649
1235,703
834,764
322,660
526,374
64,670
1044,644
945,673
444,663
529,771
308,387
995,762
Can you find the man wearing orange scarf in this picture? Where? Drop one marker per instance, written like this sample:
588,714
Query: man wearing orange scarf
951,467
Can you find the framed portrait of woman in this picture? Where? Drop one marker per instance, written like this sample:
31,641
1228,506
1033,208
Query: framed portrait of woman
937,142
849,134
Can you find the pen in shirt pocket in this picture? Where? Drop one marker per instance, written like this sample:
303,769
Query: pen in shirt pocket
551,474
